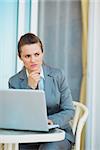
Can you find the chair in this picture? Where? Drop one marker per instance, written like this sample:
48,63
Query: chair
78,122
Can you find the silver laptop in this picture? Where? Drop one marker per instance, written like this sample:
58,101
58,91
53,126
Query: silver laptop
23,110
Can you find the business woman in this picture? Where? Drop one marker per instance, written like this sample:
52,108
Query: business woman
37,75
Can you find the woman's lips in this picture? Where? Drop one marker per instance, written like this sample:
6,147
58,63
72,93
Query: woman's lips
33,65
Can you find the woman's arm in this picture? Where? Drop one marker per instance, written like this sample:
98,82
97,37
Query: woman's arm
66,109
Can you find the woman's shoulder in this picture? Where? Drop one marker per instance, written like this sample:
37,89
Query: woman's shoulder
54,71
16,76
58,75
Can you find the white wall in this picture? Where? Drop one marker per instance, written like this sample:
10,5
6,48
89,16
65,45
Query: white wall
93,92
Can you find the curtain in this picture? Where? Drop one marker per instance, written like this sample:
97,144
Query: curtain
59,27
1,146
84,6
93,76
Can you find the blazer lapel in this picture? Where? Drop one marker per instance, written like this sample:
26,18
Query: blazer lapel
48,82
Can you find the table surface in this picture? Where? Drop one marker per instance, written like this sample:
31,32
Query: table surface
13,136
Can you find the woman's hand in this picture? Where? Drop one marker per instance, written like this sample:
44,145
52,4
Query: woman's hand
50,122
33,79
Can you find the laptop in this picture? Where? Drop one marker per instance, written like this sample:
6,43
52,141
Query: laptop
24,110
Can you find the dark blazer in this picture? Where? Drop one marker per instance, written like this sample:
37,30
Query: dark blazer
58,96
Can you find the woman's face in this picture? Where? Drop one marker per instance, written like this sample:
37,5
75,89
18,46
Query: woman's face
32,56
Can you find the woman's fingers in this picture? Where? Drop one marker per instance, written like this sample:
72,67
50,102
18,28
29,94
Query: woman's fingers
33,79
50,122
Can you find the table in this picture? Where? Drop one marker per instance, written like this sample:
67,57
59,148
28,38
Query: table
11,138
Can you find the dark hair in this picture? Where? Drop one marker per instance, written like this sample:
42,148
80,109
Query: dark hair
28,38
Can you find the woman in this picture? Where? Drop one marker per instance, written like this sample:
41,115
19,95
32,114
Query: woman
36,75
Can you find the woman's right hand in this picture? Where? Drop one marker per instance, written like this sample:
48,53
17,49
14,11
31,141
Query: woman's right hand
33,79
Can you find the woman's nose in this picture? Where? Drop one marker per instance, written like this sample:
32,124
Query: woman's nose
32,59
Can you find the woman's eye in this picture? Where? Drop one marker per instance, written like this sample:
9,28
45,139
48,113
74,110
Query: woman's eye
27,56
36,54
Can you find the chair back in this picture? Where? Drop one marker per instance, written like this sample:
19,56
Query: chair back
78,122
